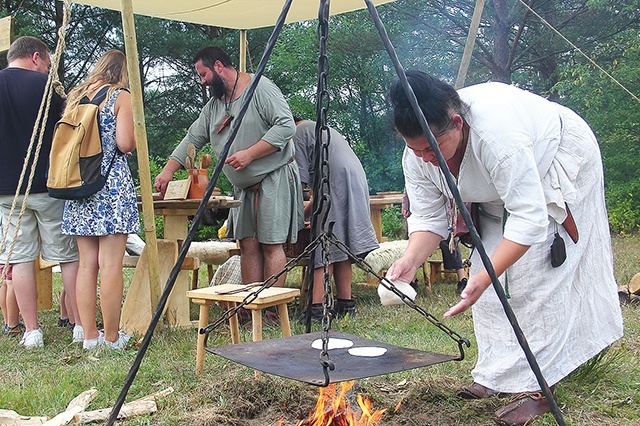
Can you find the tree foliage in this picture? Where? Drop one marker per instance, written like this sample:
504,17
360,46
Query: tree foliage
614,113
514,45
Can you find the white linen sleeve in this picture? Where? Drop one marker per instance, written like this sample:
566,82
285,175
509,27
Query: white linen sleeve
427,203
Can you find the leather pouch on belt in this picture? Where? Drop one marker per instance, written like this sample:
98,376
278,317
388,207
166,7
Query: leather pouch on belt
558,251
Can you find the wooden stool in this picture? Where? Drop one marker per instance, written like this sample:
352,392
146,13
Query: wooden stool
232,294
436,272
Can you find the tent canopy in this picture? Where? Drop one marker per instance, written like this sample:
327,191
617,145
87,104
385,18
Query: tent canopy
236,14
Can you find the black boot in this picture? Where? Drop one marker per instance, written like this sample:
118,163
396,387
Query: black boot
344,307
317,312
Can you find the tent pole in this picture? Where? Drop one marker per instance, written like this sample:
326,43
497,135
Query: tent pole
468,47
131,48
243,51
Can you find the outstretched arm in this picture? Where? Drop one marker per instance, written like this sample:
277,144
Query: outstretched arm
166,175
505,255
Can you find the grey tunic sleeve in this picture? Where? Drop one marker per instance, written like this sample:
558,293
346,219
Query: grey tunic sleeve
198,135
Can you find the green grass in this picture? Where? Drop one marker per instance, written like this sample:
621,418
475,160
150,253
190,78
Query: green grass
41,382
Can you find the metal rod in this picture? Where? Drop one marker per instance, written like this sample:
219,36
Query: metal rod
465,214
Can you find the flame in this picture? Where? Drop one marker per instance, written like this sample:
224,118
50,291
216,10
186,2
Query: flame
333,409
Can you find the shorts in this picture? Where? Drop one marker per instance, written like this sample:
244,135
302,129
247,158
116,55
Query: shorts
39,232
9,276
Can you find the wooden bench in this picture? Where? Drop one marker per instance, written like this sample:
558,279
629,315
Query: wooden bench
44,280
229,295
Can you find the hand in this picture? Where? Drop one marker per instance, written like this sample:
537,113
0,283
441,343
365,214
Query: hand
239,160
402,270
471,293
161,181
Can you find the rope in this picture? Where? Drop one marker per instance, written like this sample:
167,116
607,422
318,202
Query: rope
53,83
580,51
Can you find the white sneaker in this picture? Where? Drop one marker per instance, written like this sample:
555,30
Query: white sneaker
93,343
78,334
122,341
32,339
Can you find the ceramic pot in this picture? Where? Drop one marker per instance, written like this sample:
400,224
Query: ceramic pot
199,180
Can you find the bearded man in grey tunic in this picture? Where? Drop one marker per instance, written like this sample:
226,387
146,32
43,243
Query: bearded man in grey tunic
260,163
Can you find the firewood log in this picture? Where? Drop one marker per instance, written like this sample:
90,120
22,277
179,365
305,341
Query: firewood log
11,418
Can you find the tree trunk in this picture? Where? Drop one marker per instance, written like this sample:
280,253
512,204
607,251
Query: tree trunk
501,70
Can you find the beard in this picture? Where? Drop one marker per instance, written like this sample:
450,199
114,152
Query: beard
218,85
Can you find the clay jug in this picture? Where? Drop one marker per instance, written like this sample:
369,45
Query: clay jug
199,180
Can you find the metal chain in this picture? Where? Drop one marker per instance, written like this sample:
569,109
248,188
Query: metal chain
329,238
322,191
462,341
321,231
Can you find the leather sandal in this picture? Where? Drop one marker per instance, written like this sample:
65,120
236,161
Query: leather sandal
523,409
477,391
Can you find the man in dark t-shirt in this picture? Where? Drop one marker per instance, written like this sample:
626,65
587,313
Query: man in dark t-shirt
22,86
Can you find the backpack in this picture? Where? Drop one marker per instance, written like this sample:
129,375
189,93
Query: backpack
75,161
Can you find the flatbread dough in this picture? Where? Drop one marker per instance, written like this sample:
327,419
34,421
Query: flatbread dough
333,343
367,351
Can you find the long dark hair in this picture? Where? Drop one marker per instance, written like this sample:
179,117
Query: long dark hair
437,100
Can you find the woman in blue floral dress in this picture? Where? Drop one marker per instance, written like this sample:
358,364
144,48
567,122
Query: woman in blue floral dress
103,221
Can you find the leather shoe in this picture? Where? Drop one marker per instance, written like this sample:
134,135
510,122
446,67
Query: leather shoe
523,409
477,391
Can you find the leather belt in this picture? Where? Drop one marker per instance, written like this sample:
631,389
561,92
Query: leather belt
570,225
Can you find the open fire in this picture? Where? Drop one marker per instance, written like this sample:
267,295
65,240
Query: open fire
333,409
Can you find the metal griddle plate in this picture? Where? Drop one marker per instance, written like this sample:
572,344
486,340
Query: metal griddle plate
294,358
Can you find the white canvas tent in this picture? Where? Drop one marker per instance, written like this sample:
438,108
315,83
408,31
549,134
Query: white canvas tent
236,14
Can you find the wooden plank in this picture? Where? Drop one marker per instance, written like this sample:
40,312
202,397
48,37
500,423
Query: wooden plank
6,33
190,264
177,310
266,296
44,285
137,308
131,409
177,189
130,261
144,405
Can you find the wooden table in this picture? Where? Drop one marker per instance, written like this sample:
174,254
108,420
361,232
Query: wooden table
175,213
379,202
